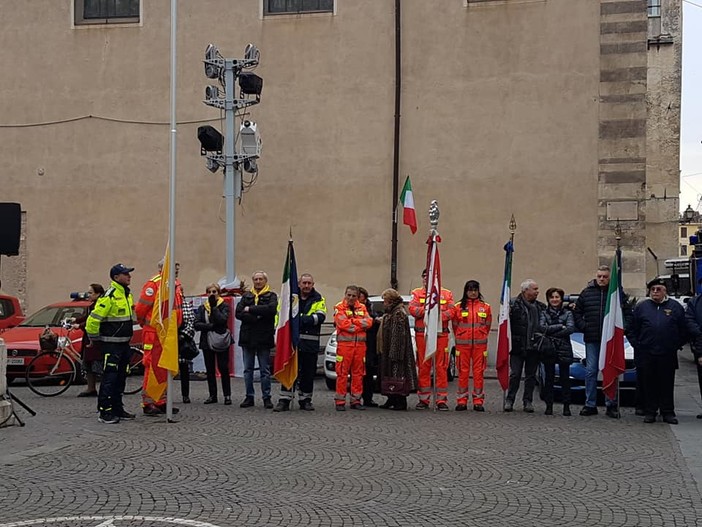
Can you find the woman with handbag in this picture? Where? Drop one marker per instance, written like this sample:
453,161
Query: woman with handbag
91,354
398,371
556,324
212,320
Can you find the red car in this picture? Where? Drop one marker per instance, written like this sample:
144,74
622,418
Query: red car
22,341
10,312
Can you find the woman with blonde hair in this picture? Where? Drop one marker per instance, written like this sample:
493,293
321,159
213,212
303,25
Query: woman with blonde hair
213,315
398,371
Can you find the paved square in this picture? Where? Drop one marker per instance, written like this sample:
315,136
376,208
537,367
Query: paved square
228,466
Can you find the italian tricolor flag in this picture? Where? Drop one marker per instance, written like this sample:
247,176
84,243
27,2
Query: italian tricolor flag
504,332
287,335
612,361
409,216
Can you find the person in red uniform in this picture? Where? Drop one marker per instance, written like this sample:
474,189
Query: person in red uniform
471,322
352,320
152,346
416,309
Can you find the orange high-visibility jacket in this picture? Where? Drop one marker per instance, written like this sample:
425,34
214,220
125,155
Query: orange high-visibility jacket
471,326
147,297
351,322
416,308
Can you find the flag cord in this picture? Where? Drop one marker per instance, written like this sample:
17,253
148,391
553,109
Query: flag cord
433,384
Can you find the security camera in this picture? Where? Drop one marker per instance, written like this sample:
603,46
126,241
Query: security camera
250,139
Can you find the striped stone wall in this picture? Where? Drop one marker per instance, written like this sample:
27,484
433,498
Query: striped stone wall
622,135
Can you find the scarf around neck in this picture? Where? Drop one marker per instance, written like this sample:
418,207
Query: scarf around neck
265,289
208,307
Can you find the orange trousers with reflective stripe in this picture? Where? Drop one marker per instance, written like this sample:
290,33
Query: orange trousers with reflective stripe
470,357
424,367
350,358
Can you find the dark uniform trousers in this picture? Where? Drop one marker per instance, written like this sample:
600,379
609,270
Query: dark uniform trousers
114,377
658,383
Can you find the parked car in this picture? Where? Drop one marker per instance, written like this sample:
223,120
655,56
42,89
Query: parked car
22,341
377,306
627,385
10,312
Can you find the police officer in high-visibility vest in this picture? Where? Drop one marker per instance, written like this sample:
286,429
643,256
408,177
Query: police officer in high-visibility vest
352,320
472,318
313,311
112,323
416,309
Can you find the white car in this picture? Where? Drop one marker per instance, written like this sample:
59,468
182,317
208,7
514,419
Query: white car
330,350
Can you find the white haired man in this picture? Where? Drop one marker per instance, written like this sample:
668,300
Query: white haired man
524,311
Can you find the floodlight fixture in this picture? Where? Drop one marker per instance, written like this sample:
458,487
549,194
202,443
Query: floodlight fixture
250,84
211,92
212,70
210,139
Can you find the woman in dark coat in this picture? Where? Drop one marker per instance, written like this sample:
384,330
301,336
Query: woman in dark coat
213,315
91,354
557,323
398,371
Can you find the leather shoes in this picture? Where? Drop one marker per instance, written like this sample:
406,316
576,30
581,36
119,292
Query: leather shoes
210,400
186,400
613,412
699,416
529,407
267,403
461,407
649,419
227,400
478,408
588,410
247,402
670,419
508,406
442,406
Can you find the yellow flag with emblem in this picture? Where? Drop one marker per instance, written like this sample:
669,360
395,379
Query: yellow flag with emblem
165,319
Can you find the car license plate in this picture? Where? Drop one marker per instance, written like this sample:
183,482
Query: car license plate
15,361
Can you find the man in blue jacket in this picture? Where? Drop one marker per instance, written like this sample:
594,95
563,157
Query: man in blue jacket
693,316
658,331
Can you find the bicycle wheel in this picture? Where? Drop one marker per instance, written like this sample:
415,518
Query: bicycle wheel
50,373
135,372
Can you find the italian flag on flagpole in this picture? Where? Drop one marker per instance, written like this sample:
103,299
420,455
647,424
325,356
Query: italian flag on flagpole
287,335
612,345
409,215
504,332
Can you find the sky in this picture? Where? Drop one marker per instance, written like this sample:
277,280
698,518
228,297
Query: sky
691,130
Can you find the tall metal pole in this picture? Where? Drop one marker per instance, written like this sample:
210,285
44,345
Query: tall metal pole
172,194
232,174
396,144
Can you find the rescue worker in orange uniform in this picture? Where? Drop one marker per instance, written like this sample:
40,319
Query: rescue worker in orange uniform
352,320
416,309
471,322
152,345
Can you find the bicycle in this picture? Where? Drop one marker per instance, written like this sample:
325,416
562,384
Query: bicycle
52,372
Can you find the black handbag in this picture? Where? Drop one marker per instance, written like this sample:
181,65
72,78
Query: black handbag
187,349
393,386
545,347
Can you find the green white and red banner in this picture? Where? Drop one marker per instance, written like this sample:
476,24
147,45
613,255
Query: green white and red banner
409,214
287,335
612,362
504,331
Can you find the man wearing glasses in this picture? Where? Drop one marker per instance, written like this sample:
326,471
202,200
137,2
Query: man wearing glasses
658,330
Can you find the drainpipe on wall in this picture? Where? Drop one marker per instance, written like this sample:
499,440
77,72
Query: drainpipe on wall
396,144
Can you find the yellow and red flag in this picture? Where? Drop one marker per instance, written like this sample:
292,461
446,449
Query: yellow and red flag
164,319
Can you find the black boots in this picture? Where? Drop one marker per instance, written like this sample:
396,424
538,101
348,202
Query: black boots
549,409
282,406
566,410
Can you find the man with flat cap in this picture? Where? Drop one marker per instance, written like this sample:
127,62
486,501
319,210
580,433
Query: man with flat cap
658,330
112,322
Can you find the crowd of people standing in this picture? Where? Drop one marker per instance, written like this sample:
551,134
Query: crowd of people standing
375,350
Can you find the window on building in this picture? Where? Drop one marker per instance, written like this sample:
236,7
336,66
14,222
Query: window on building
654,8
106,11
683,232
286,7
683,250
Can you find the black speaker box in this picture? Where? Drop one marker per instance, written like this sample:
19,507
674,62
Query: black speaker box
10,227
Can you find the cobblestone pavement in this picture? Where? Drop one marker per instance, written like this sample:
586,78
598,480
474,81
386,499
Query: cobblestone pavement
228,466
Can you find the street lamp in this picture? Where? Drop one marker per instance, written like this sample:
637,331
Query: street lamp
689,214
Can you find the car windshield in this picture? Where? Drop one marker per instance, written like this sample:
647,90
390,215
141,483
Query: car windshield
52,316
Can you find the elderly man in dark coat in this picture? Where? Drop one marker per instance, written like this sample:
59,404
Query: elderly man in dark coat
658,331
